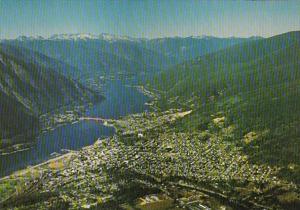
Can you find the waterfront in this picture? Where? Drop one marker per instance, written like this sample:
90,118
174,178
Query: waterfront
120,100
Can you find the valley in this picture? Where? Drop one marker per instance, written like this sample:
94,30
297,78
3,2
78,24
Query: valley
216,131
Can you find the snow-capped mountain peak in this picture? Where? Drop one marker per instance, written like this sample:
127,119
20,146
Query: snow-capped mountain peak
103,36
72,37
202,37
26,38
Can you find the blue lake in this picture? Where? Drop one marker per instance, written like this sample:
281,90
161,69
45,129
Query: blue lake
120,100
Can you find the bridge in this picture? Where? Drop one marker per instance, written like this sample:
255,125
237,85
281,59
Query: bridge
97,119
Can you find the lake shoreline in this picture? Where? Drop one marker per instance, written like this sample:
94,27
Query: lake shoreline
58,157
80,133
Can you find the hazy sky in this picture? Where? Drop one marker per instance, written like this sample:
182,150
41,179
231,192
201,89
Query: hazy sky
149,19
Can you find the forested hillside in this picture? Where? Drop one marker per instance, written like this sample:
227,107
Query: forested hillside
29,87
253,87
187,48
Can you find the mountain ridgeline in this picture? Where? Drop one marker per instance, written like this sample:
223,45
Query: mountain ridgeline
29,87
112,55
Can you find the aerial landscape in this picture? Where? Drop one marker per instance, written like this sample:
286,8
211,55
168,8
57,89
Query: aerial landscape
149,105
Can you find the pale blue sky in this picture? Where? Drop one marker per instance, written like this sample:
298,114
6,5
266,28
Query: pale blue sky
149,19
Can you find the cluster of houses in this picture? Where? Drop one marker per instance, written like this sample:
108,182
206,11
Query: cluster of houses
147,153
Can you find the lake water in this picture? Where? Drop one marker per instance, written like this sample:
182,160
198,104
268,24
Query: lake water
120,100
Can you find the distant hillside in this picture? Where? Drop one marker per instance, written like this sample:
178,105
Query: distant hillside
98,57
187,48
230,68
34,57
30,86
255,86
112,55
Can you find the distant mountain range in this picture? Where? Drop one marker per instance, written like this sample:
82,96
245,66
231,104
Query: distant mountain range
113,37
81,36
107,54
228,68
